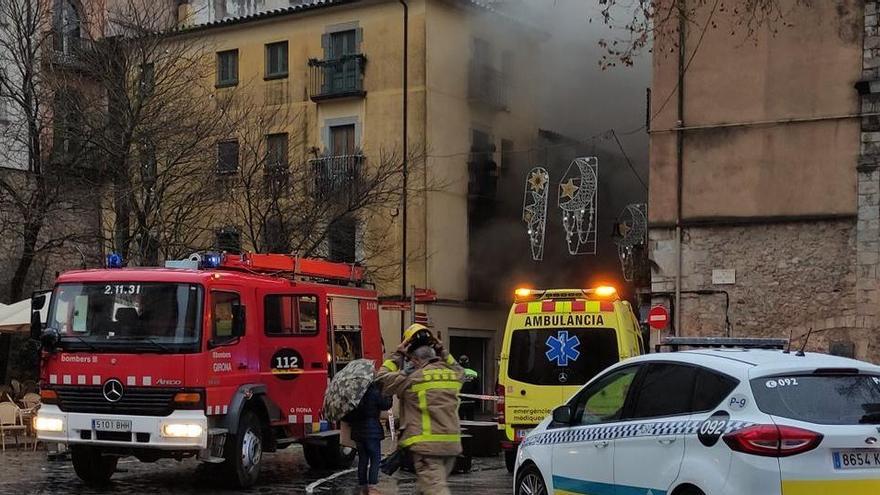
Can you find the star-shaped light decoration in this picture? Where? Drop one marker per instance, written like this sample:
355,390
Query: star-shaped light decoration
568,189
537,180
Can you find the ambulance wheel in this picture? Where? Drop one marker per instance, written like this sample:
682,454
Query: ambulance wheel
530,481
92,467
244,451
510,460
690,490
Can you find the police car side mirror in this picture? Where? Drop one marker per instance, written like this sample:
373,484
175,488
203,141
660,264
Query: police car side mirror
562,416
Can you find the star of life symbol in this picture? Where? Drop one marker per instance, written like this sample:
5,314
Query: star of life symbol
562,348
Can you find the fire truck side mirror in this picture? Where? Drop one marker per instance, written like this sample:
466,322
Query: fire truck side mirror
36,325
238,321
38,301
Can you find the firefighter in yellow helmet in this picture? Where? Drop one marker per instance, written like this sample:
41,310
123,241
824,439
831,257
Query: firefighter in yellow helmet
428,395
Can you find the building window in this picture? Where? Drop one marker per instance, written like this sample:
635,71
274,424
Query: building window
342,140
276,151
228,239
342,238
276,60
67,27
227,157
276,168
148,80
275,236
227,68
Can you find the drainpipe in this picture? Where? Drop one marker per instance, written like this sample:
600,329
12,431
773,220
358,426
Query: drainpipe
403,285
679,167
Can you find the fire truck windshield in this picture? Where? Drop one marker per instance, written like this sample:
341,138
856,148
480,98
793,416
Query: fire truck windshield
127,317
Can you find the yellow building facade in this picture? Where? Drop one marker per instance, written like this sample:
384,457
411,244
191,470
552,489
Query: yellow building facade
339,65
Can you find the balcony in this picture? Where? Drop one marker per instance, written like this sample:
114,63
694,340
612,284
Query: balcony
337,78
336,175
487,86
70,51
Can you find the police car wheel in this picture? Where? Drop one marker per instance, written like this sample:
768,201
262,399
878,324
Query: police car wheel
244,451
530,481
92,467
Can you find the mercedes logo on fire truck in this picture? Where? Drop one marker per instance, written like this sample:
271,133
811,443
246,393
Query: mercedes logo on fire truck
113,390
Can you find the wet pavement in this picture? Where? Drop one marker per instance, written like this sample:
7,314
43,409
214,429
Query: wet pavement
284,472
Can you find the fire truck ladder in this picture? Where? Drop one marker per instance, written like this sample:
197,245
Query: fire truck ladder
296,267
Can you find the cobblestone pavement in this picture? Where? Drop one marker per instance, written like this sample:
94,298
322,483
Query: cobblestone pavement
284,472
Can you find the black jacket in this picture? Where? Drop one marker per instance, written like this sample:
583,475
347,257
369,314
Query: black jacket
364,420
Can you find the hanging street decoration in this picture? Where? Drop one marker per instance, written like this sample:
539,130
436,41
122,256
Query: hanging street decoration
630,235
577,200
534,213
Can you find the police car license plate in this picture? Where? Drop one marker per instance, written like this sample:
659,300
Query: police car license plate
111,425
521,434
856,459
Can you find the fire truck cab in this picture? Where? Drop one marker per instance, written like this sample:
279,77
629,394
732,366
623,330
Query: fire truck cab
221,357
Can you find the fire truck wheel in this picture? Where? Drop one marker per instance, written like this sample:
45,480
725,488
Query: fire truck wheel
92,467
244,451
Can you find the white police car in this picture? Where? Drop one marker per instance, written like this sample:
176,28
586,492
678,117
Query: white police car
714,421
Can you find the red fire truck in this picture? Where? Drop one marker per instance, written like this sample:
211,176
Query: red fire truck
220,357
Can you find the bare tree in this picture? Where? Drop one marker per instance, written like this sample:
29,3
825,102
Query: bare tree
38,183
646,21
293,198
154,126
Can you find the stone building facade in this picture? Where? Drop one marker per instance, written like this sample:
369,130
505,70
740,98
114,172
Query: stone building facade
771,178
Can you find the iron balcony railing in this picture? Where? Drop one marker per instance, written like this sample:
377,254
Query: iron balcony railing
341,77
336,175
487,86
69,50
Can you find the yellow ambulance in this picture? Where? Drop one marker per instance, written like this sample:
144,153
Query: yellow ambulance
555,341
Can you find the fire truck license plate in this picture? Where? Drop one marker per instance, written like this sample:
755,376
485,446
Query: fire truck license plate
111,425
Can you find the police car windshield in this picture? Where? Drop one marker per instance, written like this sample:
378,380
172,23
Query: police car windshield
561,356
127,316
821,399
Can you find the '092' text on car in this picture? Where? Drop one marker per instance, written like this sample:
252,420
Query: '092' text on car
713,422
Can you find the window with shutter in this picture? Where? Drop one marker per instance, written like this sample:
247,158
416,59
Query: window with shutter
276,60
227,68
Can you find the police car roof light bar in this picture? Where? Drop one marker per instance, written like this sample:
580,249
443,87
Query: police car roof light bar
676,343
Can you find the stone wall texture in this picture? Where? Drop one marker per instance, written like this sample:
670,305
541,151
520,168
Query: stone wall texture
790,277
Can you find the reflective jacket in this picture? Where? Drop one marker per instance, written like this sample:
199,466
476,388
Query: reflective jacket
428,403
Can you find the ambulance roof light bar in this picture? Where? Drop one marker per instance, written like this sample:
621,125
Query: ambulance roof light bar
598,292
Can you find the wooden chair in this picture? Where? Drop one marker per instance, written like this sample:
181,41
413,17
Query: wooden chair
11,423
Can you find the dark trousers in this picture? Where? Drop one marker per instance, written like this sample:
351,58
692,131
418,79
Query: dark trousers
369,456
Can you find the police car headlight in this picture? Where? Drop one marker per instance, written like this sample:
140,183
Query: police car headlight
46,423
182,430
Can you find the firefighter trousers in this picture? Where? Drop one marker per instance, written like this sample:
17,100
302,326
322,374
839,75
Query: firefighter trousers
431,473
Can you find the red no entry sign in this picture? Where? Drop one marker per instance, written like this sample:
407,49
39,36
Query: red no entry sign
658,317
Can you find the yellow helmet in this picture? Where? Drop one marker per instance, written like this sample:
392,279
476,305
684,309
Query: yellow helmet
413,330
